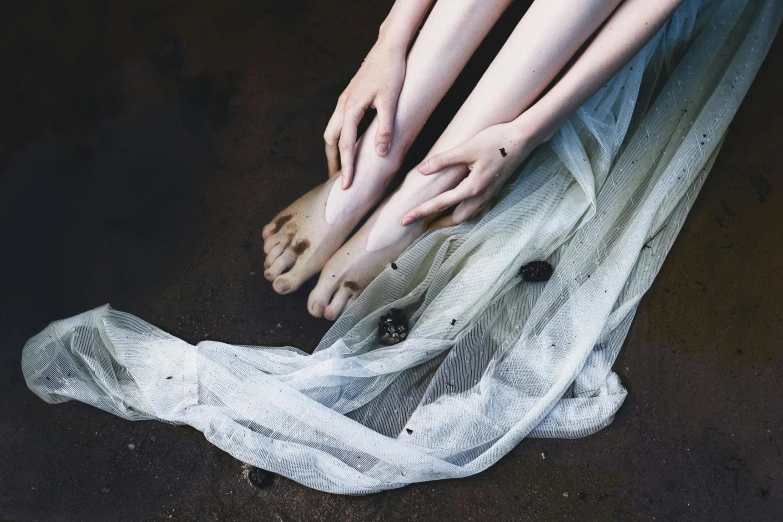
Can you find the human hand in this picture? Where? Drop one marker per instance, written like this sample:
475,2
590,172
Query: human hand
491,156
377,85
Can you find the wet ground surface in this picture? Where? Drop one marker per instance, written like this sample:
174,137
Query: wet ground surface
143,146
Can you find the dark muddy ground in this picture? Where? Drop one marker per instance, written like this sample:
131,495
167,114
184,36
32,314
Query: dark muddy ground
144,144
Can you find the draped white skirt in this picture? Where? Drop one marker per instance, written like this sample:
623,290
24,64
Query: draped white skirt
602,202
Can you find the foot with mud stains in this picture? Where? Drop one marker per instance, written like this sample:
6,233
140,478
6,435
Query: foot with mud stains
348,272
301,238
380,241
298,241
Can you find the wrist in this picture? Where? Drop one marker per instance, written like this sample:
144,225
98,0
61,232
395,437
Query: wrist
391,41
536,126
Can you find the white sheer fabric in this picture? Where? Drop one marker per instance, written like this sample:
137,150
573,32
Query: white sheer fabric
603,202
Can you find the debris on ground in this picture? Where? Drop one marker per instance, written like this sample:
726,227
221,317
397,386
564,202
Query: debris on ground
261,478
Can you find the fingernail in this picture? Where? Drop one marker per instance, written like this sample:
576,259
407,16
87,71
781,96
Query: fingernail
382,148
424,168
407,221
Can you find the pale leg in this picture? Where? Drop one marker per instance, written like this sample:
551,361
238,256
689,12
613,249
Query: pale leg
302,237
547,37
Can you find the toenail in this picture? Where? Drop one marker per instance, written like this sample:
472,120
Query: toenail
383,148
282,286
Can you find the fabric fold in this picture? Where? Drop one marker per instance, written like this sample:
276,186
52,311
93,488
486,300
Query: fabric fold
490,359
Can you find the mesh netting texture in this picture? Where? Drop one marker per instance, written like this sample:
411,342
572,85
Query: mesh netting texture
602,202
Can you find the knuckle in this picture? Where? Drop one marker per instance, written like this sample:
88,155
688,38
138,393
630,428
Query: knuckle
344,145
385,132
352,106
474,190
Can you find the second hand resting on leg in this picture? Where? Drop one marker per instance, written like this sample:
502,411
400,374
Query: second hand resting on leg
383,238
300,239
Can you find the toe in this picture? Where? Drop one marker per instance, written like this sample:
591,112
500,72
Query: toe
268,230
282,285
322,294
271,242
273,254
285,261
316,309
338,304
278,239
291,281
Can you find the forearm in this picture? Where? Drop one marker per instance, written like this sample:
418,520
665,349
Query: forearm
547,37
404,19
625,33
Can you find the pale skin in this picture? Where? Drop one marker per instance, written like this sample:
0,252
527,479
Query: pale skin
633,24
323,218
377,85
466,167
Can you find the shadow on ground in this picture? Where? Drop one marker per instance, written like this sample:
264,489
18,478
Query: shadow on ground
145,143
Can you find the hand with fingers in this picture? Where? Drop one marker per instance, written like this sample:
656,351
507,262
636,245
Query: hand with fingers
377,86
491,156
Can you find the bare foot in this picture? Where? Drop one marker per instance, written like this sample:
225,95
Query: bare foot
299,240
352,268
376,245
302,237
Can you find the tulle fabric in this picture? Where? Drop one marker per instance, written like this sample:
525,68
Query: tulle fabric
490,359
